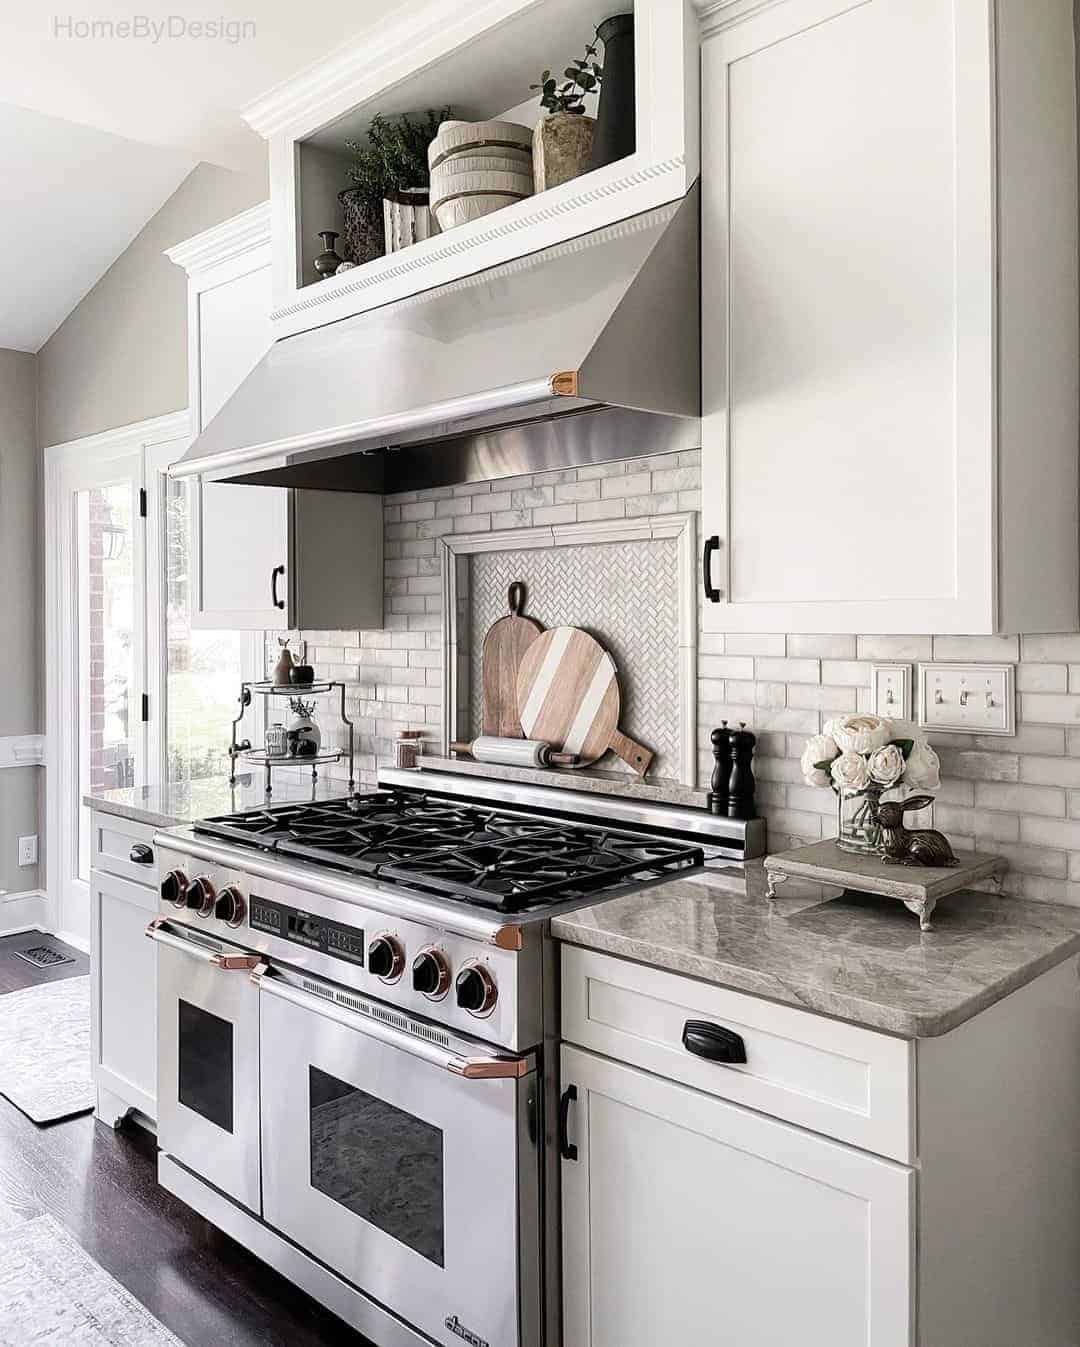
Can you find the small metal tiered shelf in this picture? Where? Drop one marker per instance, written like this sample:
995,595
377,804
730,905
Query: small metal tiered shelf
241,748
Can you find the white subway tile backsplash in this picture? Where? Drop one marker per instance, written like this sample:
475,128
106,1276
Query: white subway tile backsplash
1018,796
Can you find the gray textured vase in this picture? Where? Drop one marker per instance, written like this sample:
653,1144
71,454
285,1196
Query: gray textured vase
562,147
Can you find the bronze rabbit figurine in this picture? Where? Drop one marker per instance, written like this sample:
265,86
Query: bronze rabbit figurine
905,846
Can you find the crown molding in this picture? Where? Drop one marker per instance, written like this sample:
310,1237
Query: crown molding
222,242
123,439
357,70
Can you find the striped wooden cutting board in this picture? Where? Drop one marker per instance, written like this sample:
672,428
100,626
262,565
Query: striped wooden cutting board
568,696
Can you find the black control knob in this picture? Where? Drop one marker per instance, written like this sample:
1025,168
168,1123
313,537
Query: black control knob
174,887
475,989
431,974
386,958
200,896
230,906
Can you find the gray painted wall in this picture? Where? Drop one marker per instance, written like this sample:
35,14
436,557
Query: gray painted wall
20,604
121,355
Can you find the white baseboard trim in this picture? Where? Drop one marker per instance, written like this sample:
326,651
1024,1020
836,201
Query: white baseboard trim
27,911
70,938
22,750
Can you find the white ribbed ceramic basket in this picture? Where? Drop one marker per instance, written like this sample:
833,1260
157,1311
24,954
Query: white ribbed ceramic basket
486,139
473,195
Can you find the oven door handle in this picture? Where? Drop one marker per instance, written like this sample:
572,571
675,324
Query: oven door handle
471,1068
231,963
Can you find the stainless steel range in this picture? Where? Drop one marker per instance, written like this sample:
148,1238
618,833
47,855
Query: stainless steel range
358,1028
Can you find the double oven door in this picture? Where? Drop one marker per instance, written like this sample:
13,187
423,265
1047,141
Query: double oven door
403,1157
404,1162
208,1059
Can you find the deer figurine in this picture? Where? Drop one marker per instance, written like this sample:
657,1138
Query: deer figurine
911,846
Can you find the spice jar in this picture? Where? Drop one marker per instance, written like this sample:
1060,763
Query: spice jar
407,748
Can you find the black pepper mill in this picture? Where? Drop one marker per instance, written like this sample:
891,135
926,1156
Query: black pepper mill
717,800
740,800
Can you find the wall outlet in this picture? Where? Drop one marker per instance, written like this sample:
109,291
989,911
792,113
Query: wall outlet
28,850
968,698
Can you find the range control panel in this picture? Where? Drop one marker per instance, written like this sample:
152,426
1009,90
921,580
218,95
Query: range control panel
303,928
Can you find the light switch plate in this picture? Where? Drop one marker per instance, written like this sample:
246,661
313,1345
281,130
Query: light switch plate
968,698
891,686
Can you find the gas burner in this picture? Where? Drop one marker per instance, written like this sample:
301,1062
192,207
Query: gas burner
471,853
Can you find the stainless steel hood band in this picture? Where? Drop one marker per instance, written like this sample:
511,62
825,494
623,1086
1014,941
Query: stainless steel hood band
491,1067
452,410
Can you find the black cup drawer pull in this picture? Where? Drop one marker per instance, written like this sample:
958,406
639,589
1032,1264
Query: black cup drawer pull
713,1042
141,854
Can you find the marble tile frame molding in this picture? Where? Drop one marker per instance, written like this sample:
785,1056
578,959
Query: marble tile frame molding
682,527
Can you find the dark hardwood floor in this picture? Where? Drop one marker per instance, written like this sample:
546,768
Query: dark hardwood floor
101,1185
16,973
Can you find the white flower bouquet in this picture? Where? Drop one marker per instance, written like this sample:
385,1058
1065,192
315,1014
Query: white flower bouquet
860,757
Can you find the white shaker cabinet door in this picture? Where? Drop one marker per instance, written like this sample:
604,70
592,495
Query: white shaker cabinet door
688,1220
864,235
240,533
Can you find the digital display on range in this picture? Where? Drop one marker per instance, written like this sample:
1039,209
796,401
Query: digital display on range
303,928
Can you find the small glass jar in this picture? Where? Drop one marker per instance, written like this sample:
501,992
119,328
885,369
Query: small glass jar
407,747
858,829
277,742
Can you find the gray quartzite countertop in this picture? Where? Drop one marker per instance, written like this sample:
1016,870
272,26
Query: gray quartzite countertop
183,801
858,958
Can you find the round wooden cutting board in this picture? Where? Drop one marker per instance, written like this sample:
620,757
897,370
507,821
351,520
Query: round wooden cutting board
568,696
504,646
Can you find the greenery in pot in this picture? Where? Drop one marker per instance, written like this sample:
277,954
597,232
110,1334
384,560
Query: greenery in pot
581,78
393,159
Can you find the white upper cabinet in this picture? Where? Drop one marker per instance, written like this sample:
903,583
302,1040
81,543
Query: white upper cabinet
263,557
889,270
479,60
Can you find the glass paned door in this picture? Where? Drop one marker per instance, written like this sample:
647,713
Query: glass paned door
100,594
110,741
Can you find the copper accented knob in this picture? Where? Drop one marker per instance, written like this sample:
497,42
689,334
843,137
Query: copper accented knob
174,887
475,989
386,958
200,896
431,974
230,906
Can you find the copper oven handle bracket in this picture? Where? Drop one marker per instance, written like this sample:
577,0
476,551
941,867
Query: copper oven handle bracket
489,1068
233,963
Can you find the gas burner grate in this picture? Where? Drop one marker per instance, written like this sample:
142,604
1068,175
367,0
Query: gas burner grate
469,852
43,956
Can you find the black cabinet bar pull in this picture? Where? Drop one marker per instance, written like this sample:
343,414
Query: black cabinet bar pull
278,570
713,1042
567,1149
711,545
141,854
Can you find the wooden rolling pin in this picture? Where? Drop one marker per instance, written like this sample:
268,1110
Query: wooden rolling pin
514,752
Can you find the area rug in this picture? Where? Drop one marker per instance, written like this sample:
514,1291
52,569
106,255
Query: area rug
53,1294
45,1049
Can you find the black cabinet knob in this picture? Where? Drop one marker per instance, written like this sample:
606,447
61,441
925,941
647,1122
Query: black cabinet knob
141,854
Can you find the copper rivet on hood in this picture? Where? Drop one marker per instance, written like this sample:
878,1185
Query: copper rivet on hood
565,383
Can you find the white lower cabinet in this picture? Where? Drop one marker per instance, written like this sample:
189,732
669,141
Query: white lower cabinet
123,989
689,1220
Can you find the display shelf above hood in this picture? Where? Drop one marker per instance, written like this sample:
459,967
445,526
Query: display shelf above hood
610,319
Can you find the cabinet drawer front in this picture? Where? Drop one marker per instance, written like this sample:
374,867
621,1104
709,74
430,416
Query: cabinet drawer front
113,841
834,1078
